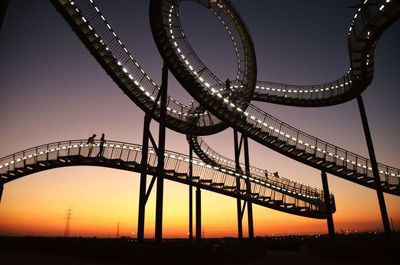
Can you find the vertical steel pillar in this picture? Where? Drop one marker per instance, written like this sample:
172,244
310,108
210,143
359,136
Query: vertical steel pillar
248,186
190,193
238,201
198,214
327,199
161,151
378,187
1,190
143,176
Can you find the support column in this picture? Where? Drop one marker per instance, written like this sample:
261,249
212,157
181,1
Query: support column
190,193
327,199
238,201
198,214
378,187
143,176
1,190
248,187
161,151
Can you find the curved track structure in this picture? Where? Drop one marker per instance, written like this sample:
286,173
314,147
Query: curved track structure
276,182
221,107
126,156
101,40
252,121
367,26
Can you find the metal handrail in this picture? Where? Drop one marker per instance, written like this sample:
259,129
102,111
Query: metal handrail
257,119
359,33
308,92
131,153
143,82
317,147
257,172
252,116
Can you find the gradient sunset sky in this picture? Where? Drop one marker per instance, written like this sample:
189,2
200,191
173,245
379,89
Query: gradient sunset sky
52,89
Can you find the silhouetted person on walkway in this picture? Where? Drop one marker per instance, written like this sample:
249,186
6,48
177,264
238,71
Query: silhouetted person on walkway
228,84
90,143
102,142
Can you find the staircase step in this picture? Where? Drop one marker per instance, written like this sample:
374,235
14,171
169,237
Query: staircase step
317,160
327,164
180,174
359,176
262,135
307,156
205,180
289,205
288,147
338,168
349,172
255,131
279,143
130,164
247,126
216,184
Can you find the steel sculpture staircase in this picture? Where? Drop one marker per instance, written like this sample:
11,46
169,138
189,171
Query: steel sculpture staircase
93,30
220,107
255,123
368,24
284,185
227,105
126,156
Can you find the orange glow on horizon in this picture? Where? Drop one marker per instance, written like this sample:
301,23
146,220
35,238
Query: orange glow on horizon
61,92
99,202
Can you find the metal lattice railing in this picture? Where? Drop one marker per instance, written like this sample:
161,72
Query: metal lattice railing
306,92
175,164
272,178
218,101
89,13
360,33
317,147
261,122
